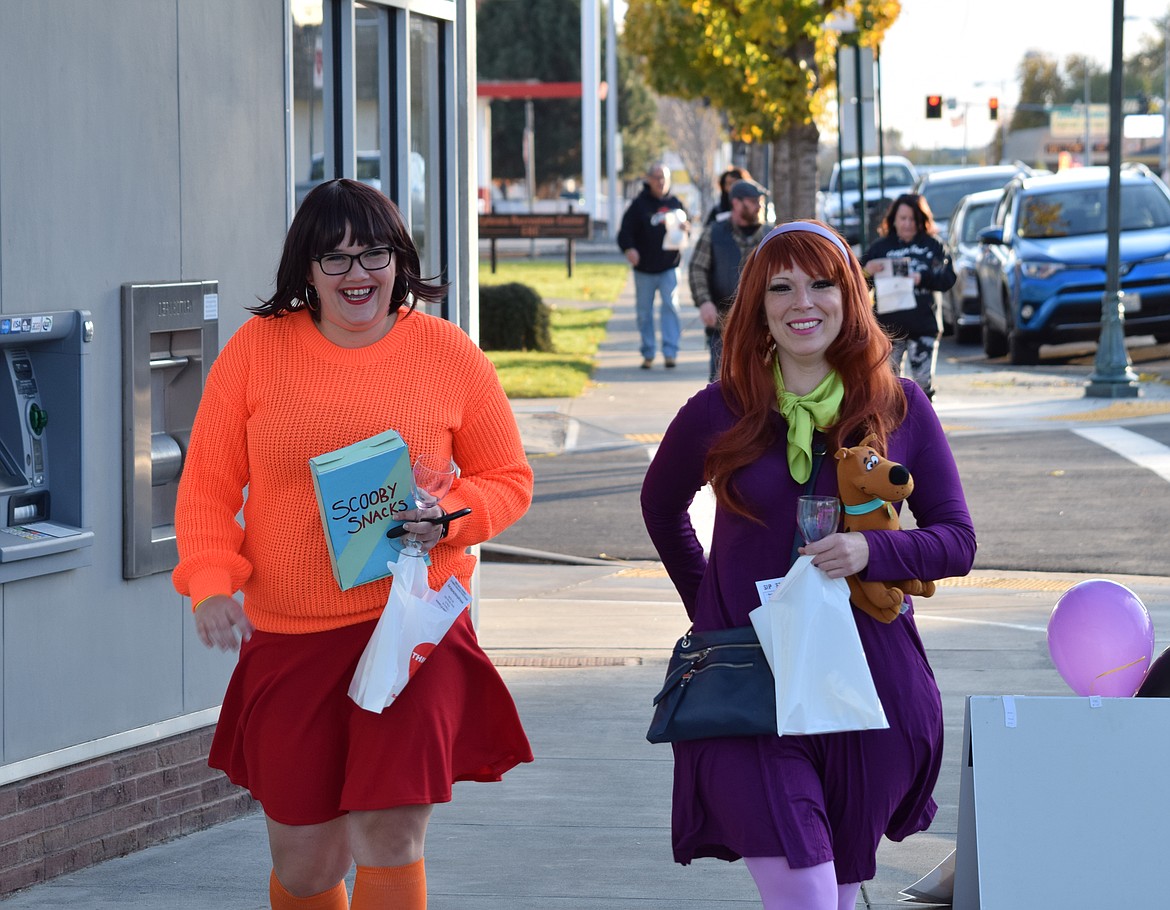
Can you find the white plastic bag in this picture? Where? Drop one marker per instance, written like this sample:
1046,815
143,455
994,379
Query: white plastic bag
676,237
823,683
412,624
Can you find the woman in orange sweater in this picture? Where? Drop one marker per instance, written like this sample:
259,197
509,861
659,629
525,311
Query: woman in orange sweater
336,355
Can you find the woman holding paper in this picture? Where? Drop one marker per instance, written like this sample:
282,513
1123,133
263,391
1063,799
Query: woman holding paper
908,264
804,366
338,354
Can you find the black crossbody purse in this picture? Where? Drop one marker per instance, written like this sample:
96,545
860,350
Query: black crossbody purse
718,683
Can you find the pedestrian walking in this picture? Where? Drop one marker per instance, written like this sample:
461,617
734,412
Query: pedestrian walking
909,240
653,233
338,354
804,372
717,259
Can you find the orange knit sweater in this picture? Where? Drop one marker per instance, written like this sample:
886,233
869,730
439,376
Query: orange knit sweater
280,393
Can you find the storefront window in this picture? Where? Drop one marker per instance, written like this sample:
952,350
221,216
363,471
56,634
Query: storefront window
392,47
367,105
425,148
308,78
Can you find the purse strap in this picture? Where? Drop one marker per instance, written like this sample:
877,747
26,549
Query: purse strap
818,455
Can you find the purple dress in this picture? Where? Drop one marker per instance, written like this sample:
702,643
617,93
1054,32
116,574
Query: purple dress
832,796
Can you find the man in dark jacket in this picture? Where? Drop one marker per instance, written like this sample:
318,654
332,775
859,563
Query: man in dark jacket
718,259
654,252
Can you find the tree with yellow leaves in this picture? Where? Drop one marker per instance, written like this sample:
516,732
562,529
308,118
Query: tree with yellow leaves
768,65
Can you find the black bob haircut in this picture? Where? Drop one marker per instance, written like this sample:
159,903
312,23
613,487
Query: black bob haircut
320,225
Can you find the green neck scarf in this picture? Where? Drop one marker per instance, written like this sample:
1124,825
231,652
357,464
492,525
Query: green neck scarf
805,413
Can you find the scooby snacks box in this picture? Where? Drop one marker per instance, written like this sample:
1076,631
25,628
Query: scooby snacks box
360,489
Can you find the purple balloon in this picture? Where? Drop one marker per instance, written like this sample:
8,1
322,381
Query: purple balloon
1101,638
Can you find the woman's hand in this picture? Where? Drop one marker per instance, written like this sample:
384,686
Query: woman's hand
221,623
427,533
839,555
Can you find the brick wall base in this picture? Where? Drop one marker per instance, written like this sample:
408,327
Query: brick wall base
78,816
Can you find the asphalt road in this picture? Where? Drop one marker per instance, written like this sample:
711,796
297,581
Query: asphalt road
1049,501
1054,501
585,504
1043,499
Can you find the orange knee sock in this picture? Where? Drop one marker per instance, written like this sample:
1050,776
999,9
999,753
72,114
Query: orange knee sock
333,899
390,887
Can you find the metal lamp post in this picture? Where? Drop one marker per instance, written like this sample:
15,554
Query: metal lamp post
1112,376
1164,162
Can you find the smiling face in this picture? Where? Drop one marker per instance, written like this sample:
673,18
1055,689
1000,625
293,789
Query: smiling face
804,314
355,307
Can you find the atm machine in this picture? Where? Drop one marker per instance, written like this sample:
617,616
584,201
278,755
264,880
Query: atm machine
170,337
43,362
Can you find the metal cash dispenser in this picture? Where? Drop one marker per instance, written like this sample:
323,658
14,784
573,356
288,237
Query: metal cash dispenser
170,336
43,366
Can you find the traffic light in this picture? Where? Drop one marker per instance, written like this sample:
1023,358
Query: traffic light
993,108
934,107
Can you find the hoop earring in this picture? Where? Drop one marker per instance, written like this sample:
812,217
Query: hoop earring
767,341
312,300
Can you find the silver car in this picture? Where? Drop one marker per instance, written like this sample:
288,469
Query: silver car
943,189
839,200
961,306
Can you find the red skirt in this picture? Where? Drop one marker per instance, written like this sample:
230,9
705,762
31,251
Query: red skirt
289,732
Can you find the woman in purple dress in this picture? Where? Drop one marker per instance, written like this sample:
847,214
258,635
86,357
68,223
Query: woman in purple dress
805,365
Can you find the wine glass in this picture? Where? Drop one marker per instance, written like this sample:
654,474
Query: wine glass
817,516
432,477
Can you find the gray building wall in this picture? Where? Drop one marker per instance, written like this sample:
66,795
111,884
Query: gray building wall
140,140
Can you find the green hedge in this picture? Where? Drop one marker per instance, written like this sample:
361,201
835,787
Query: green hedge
512,317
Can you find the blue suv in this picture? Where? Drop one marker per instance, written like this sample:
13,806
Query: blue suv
1042,263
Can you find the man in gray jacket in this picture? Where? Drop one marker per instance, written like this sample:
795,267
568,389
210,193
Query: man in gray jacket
718,259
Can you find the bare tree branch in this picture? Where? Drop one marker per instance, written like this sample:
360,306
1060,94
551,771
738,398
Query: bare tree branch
696,131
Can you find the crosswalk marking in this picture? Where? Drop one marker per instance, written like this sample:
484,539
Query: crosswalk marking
1139,449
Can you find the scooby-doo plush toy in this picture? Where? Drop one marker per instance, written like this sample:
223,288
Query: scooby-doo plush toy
867,484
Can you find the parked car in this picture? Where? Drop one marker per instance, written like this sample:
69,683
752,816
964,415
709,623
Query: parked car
961,307
838,202
369,167
943,189
1042,262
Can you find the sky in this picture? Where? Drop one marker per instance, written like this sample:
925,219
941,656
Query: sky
970,50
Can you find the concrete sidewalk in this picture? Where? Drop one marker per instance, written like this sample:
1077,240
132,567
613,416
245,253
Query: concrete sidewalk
583,649
587,825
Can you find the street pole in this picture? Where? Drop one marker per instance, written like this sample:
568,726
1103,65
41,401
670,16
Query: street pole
840,148
862,207
611,122
966,111
1087,158
1165,160
1112,376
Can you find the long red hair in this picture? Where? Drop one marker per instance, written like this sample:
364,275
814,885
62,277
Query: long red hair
874,402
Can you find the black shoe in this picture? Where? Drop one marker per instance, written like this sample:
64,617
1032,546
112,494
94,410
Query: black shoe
670,363
647,363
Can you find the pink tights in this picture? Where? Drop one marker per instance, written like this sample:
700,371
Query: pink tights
814,888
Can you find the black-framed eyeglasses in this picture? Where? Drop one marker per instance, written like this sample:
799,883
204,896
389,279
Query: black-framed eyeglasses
372,260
